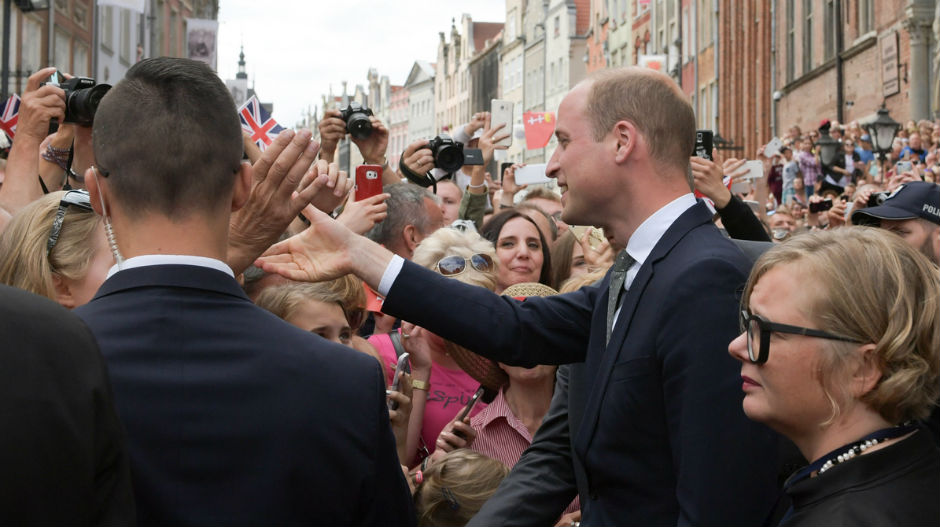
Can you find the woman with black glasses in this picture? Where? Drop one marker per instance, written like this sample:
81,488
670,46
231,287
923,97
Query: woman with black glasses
56,247
844,369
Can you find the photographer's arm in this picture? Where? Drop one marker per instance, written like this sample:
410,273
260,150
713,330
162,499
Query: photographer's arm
56,147
37,107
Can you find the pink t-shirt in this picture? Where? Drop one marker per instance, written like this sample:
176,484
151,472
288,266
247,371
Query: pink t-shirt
450,391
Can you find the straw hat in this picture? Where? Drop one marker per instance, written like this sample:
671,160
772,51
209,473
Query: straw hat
484,370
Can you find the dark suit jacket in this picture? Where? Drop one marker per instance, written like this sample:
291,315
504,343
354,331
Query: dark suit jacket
63,459
649,429
236,417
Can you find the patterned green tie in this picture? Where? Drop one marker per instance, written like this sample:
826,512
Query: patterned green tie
621,264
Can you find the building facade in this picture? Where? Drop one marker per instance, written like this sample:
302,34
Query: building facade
512,57
420,87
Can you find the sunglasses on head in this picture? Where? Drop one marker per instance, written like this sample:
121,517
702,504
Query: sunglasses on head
454,265
76,198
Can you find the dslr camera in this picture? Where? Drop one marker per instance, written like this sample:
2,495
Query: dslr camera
877,198
450,155
82,96
357,120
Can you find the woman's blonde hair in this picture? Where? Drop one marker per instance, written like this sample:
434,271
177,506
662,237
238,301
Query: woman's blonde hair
284,299
577,282
870,286
23,260
456,487
452,242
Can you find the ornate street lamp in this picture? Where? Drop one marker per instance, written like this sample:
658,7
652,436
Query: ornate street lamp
882,130
829,148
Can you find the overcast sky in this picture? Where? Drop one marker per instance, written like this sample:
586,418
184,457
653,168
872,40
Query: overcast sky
294,49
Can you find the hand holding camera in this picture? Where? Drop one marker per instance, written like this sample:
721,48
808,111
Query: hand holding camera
41,103
417,158
332,129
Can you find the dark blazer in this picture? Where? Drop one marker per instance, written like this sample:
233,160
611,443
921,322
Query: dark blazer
648,429
236,417
63,459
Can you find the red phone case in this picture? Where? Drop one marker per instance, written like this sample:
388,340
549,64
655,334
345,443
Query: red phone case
368,181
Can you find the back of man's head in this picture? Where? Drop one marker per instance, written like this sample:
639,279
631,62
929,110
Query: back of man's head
406,206
653,103
167,138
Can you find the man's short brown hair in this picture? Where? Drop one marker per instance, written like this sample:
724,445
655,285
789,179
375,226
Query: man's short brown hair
168,138
652,102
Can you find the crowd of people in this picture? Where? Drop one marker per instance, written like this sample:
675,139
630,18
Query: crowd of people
227,336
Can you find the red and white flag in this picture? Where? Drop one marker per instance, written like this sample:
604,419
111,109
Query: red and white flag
539,127
258,123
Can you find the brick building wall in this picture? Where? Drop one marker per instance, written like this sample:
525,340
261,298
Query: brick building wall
744,93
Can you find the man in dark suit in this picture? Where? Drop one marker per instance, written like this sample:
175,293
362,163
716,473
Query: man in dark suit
646,424
62,447
233,416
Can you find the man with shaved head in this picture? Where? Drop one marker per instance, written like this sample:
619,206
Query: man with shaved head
646,423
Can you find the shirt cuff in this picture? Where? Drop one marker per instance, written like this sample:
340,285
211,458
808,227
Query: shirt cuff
390,274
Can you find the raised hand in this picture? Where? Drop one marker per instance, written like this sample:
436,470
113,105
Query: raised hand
332,130
273,202
360,216
373,147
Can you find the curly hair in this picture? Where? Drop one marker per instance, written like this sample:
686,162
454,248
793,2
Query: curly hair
453,242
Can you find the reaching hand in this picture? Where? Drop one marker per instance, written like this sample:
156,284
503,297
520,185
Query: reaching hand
360,216
596,258
273,202
336,180
449,440
708,178
373,147
415,341
319,253
476,122
509,182
489,138
836,214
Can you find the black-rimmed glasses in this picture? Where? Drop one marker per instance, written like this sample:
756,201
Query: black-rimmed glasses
454,265
760,329
77,198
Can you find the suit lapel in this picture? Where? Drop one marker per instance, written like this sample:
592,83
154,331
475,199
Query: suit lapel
601,360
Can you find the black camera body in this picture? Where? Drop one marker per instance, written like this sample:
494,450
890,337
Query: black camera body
357,120
82,96
877,198
450,155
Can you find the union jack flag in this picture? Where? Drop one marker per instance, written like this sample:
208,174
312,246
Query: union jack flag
258,123
9,114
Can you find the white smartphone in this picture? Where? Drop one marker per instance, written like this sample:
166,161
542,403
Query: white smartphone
501,113
773,147
755,170
531,174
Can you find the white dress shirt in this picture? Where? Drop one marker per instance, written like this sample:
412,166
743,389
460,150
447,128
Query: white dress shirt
146,260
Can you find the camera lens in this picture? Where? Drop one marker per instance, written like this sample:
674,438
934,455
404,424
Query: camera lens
449,158
81,105
359,125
